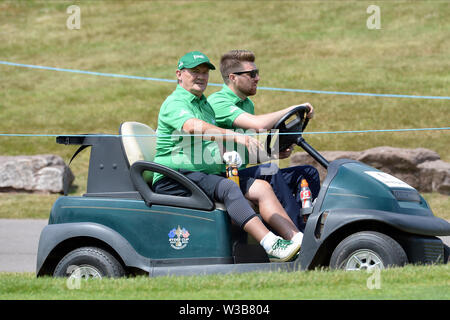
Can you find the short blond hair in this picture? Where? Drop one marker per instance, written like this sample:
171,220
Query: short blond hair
232,61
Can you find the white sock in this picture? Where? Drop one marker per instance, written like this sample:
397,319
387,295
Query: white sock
268,241
298,237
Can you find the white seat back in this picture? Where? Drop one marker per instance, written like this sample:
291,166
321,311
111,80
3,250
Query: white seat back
139,143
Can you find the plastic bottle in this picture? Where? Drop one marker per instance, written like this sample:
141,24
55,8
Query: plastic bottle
305,194
232,172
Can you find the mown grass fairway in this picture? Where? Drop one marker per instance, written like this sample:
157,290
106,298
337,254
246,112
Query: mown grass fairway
418,282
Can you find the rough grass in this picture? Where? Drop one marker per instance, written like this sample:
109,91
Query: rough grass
319,45
308,45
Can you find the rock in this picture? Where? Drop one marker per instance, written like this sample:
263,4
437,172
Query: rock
397,159
421,168
38,173
436,176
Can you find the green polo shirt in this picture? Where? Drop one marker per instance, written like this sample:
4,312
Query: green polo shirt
185,152
227,106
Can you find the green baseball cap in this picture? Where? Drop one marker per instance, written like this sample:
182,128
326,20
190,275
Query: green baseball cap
193,59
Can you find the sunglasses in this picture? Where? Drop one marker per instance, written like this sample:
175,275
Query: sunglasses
252,73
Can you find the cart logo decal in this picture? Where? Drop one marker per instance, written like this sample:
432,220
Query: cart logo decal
179,238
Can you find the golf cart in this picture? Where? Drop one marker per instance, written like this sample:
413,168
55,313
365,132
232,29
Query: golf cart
362,217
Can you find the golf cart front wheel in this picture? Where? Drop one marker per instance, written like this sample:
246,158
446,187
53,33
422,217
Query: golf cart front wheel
89,262
367,250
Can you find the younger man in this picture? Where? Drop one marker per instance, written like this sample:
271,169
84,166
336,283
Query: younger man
233,109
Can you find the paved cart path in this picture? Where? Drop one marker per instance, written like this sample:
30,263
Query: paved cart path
19,240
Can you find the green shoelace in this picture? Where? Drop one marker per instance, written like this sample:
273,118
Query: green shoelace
281,244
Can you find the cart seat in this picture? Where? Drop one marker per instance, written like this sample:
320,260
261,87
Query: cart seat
139,143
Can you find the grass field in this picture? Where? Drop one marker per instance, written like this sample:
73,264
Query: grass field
308,45
416,283
315,45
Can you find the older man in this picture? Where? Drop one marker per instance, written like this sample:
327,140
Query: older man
199,158
234,109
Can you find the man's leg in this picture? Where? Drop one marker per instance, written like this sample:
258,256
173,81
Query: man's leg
271,209
216,188
278,249
294,175
272,174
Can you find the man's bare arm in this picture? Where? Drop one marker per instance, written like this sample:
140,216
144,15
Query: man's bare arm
265,121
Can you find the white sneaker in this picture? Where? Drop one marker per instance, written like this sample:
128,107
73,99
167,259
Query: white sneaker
298,238
283,250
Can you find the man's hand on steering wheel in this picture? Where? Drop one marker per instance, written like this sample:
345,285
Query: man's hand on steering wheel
286,153
310,114
290,131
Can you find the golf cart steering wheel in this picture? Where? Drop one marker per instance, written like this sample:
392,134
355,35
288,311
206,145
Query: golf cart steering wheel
284,141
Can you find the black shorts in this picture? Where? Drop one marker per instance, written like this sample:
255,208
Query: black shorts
206,182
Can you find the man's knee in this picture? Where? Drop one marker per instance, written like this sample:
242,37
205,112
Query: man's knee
312,170
307,171
228,190
261,187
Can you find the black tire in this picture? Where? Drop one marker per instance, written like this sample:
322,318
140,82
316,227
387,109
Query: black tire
100,262
446,253
380,250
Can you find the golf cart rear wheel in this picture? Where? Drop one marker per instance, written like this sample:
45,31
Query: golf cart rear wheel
89,262
367,250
